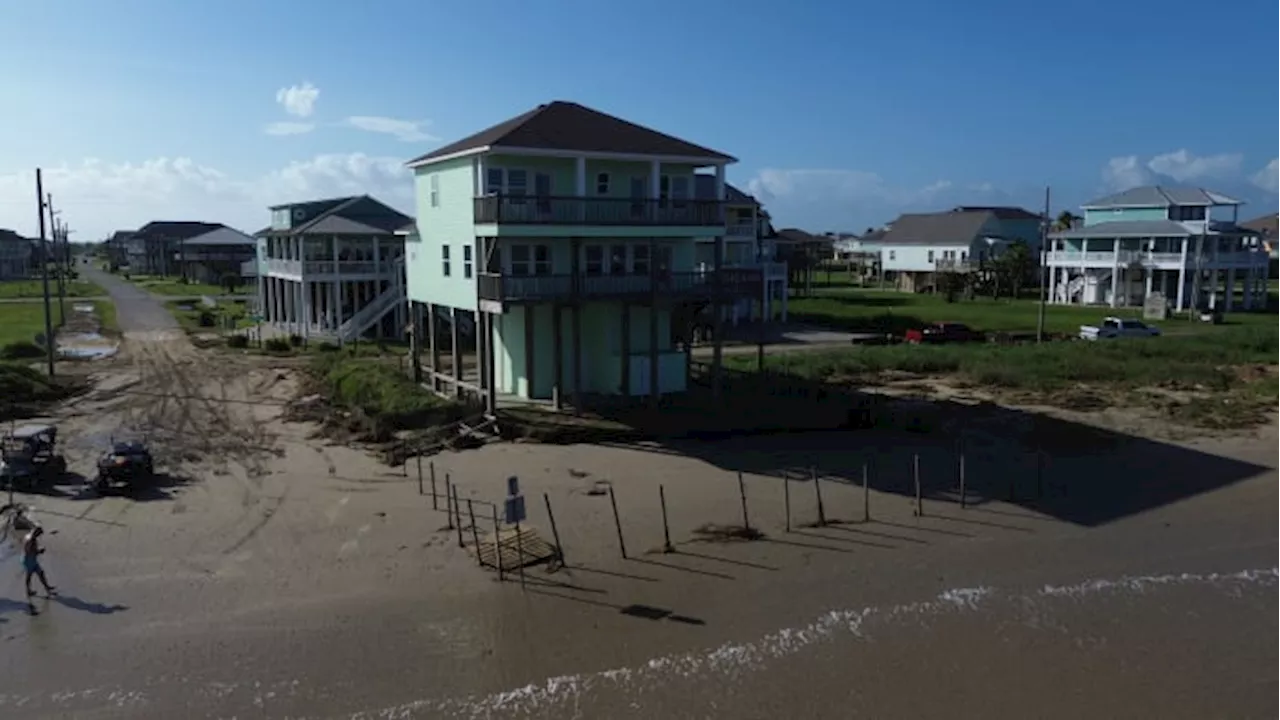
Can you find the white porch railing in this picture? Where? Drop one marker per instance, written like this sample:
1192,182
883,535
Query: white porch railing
740,230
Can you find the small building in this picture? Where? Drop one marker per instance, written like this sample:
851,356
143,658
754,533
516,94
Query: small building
746,245
218,257
16,255
156,248
333,269
570,239
1181,242
917,246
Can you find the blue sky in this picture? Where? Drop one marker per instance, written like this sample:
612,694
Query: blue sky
842,114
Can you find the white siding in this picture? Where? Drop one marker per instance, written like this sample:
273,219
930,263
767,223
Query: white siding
915,258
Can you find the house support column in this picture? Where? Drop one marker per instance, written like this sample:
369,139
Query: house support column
575,250
717,333
1053,278
1115,274
557,355
1248,289
456,349
625,347
1230,291
433,346
307,289
1182,277
530,366
654,389
415,341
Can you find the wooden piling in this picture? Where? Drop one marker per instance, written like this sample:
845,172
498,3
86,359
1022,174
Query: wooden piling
448,502
435,499
817,491
520,555
497,543
742,493
419,463
915,472
617,523
555,533
457,509
666,529
475,531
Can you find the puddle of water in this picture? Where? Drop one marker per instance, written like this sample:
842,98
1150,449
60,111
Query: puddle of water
82,308
87,353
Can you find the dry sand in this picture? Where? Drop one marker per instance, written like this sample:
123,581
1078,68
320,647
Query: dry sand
273,575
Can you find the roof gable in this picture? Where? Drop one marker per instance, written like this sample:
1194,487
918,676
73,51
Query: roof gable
704,188
571,127
1161,196
944,228
175,230
358,214
222,236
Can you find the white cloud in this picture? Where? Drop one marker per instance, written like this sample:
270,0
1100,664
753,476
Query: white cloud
99,198
1127,171
1122,173
1183,166
826,186
287,127
298,100
404,130
1266,178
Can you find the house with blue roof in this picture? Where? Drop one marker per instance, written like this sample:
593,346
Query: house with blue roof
1181,242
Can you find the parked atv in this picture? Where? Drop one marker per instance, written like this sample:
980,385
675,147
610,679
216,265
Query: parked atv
126,464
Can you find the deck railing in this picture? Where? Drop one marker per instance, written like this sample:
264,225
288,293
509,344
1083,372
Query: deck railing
527,288
550,210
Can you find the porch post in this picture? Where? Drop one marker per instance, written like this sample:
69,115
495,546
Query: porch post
1115,273
1182,275
1230,293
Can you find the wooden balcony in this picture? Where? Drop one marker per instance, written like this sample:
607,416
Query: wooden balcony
730,282
528,210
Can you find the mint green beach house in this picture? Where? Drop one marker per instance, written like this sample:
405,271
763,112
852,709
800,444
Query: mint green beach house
566,238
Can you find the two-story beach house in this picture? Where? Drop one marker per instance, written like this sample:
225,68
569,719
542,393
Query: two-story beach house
747,244
1181,242
571,237
916,246
333,269
16,255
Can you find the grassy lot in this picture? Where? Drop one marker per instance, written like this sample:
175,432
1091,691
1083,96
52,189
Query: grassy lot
14,289
193,316
173,286
895,312
21,322
106,312
1208,376
381,395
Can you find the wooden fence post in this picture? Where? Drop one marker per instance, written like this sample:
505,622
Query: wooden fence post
742,493
555,533
817,491
866,493
786,498
666,529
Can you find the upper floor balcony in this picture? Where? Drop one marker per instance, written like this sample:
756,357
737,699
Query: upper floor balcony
333,269
1236,258
604,211
729,282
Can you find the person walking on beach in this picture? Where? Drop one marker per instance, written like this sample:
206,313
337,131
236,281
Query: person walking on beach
31,552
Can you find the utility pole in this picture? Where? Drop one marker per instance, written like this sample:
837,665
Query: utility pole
1044,267
44,263
55,230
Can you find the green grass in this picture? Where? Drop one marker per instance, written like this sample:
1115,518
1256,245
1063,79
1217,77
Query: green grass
106,312
15,289
1217,376
189,319
23,321
382,394
175,287
23,388
876,311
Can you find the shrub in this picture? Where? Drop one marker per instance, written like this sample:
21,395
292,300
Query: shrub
21,350
277,345
389,399
326,346
238,341
207,319
295,340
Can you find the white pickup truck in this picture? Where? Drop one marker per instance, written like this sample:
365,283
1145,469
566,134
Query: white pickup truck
1114,328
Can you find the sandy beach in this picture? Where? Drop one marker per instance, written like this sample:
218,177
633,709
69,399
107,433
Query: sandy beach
274,575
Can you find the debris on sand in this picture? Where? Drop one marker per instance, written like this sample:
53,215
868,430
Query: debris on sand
712,532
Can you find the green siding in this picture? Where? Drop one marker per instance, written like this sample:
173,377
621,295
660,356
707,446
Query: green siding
601,351
1093,217
451,223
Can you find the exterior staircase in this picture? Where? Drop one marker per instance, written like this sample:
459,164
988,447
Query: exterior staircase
376,309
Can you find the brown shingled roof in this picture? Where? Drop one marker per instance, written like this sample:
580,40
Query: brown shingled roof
572,127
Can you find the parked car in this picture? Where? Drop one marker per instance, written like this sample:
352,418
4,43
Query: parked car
1114,328
943,332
